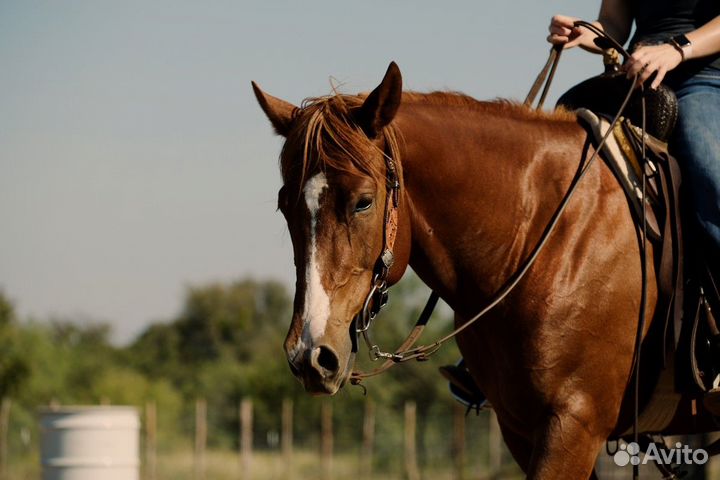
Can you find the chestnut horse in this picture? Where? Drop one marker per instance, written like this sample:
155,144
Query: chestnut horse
478,184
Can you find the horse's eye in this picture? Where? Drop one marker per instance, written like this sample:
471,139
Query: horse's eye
363,204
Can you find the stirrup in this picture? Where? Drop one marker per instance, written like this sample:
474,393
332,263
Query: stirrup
463,388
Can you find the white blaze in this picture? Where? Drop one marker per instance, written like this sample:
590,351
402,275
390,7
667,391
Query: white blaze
317,302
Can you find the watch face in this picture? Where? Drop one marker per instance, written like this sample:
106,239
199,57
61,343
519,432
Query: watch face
681,40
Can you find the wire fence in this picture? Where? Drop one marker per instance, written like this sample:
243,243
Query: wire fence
394,442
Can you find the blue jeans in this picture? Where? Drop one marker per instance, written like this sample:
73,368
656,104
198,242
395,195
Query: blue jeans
696,144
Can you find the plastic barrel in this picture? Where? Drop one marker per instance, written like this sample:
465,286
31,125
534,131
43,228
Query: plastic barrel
90,443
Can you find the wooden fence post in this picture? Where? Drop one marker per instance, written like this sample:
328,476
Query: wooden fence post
286,441
4,427
366,454
246,436
200,438
458,446
150,441
494,446
411,465
326,439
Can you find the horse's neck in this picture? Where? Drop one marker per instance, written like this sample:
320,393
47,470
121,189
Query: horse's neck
475,200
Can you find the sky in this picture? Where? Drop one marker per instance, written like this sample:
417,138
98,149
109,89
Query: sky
135,162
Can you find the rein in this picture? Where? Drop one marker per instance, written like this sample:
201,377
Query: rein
378,293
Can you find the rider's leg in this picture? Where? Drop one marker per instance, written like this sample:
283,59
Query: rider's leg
696,143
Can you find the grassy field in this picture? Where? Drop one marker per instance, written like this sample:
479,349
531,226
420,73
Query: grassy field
269,466
306,465
225,465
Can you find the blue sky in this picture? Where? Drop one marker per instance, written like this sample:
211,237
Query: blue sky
134,161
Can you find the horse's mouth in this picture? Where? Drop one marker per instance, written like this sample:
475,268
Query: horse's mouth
321,386
325,382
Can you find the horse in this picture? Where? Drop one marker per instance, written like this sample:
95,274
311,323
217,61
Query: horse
477,184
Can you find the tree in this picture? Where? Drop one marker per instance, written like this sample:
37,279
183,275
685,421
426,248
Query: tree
13,367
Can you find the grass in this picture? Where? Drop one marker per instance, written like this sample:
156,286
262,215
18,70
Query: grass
305,465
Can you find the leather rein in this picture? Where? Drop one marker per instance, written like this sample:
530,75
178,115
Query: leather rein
377,296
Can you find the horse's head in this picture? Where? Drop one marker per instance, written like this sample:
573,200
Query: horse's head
333,198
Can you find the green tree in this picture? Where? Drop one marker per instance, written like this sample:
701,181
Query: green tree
13,367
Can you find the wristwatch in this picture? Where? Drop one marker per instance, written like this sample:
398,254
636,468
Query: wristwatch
682,44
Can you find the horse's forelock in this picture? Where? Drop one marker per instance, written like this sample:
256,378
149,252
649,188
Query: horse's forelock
326,137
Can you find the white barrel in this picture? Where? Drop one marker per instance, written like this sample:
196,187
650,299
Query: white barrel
90,443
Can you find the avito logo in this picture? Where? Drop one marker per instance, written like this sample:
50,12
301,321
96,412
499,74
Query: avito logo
680,455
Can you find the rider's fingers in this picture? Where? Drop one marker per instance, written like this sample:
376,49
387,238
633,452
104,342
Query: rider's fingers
647,71
659,76
562,21
635,64
557,39
560,30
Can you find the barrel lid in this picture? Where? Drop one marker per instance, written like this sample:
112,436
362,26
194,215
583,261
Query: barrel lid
90,462
77,416
87,409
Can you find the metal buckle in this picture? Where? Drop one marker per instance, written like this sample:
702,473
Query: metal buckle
377,354
387,258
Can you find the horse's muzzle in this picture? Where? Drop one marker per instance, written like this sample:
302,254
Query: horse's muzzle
318,369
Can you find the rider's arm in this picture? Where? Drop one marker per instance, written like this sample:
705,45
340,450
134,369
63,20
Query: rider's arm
705,40
615,18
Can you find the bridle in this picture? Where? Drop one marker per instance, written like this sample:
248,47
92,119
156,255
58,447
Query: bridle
377,297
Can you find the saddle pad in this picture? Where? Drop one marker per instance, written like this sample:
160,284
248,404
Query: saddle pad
620,156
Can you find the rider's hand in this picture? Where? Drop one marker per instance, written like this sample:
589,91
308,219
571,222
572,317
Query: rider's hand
649,59
563,32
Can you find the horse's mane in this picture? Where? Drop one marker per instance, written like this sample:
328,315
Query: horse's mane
325,135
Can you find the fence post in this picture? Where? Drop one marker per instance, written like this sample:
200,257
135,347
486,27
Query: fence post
287,436
150,441
326,439
458,447
200,437
411,466
366,454
4,427
494,445
246,436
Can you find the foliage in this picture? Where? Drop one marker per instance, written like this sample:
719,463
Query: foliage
224,345
13,367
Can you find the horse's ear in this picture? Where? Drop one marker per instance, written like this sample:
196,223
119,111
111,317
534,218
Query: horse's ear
278,111
382,104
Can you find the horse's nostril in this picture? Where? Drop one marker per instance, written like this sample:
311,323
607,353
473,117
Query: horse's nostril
327,359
